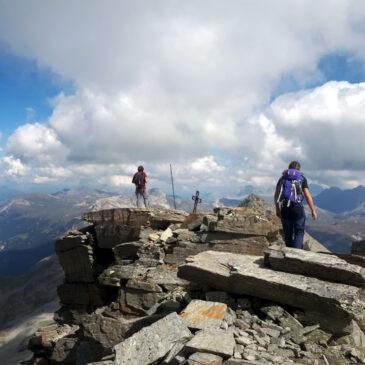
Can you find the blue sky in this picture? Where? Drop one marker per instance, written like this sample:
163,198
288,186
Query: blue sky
25,90
227,95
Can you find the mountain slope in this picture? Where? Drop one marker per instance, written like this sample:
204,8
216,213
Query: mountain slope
339,201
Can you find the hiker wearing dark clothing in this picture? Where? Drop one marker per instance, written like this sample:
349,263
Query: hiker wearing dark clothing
290,192
140,181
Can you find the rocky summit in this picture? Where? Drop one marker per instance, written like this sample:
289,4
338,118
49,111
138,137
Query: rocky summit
159,286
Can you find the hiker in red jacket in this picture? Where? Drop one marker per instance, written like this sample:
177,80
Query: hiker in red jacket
140,181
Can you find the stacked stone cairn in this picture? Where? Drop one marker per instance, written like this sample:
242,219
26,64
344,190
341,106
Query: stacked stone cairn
164,287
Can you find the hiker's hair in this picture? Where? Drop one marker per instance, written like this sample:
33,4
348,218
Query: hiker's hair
294,165
140,168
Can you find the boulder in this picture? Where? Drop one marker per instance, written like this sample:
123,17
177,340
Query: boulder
217,342
247,275
244,221
200,314
105,330
151,343
76,247
127,250
321,266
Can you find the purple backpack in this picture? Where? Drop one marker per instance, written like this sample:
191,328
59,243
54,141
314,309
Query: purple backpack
291,187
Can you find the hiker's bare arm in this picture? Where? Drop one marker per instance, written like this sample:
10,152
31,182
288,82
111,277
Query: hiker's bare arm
277,205
308,198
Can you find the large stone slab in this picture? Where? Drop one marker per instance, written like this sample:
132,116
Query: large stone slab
151,343
137,217
212,341
242,274
321,266
249,245
200,314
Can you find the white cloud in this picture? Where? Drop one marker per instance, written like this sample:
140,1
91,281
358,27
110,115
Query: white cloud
35,142
189,83
13,167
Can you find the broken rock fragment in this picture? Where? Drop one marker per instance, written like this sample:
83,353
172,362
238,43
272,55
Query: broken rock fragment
151,343
213,341
200,314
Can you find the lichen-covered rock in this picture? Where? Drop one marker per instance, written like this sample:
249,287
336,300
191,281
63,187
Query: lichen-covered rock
200,314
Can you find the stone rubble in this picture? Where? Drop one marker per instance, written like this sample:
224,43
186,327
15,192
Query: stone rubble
163,287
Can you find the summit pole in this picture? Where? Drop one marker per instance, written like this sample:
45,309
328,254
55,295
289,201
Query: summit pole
173,187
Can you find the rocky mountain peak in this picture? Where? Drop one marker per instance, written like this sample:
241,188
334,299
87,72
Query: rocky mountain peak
159,286
253,201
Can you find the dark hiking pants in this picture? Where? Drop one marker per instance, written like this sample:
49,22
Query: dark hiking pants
294,232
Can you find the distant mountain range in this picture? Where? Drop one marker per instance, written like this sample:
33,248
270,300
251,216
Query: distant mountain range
30,223
339,201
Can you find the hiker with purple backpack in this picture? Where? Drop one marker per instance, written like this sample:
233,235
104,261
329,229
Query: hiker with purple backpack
290,192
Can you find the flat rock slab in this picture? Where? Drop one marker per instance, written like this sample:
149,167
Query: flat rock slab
321,266
137,217
216,342
241,274
200,314
151,343
202,358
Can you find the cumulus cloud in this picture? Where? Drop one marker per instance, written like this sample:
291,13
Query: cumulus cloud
189,83
13,166
323,127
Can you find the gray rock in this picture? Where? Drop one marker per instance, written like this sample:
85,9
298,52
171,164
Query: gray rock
127,250
245,221
81,295
318,265
241,274
358,248
201,314
221,297
212,341
166,234
76,247
105,330
152,343
113,275
156,218
202,358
